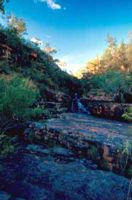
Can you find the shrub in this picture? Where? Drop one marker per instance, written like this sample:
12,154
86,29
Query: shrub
129,171
6,145
128,114
17,96
112,81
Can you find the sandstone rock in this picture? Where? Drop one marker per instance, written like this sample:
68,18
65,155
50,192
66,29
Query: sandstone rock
107,109
60,151
37,178
100,140
38,149
96,139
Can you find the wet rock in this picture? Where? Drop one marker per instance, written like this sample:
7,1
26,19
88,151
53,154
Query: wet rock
39,178
4,196
37,149
60,151
29,191
89,164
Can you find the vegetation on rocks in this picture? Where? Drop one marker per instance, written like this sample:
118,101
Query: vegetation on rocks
17,98
128,114
64,157
111,72
29,78
7,145
28,60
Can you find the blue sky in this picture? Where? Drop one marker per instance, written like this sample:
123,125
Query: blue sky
76,28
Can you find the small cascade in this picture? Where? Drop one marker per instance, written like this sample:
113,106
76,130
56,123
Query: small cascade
81,108
77,106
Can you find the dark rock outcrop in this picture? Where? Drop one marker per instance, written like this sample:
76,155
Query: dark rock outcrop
107,109
30,176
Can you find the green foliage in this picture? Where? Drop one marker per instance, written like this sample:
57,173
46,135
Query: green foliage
128,114
116,56
6,145
105,164
126,147
46,113
16,24
93,152
129,171
112,81
43,70
17,96
125,155
10,38
111,72
4,67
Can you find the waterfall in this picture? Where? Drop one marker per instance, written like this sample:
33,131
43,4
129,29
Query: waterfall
81,107
77,106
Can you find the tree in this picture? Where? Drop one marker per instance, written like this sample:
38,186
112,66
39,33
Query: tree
115,57
93,66
122,60
48,49
111,42
2,2
36,41
18,24
128,114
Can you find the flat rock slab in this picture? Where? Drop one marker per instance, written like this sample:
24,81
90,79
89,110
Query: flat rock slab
32,177
93,129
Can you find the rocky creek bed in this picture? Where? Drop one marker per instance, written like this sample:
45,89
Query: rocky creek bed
108,143
69,158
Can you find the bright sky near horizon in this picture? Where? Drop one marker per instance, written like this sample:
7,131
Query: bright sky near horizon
76,28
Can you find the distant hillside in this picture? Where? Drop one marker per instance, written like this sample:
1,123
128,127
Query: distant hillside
22,57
